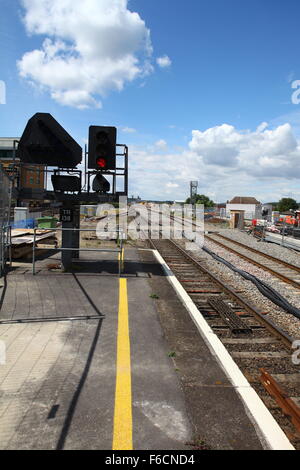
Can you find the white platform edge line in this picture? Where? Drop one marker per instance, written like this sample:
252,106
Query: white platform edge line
271,435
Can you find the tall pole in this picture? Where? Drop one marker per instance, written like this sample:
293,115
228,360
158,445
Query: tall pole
70,239
194,187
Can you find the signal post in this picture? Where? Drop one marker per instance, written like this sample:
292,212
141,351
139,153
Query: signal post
46,142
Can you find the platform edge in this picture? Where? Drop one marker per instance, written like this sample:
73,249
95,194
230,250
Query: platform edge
269,432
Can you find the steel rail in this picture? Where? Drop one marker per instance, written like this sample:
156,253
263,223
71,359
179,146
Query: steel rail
284,278
267,323
265,255
285,403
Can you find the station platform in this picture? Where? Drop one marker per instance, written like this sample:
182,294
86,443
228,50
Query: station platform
94,361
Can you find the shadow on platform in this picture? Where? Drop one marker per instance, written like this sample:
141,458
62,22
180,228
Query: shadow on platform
131,268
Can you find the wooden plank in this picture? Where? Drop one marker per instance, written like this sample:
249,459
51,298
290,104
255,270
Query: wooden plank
18,241
29,240
19,233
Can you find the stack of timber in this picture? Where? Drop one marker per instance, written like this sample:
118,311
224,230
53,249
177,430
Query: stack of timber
22,241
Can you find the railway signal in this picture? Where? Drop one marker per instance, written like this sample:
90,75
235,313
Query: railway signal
100,184
102,148
45,141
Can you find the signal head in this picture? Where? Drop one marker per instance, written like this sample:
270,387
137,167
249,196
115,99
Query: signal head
102,148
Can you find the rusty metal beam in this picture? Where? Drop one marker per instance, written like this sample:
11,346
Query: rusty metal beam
288,406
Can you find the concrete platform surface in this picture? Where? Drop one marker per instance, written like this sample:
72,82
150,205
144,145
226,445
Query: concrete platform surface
58,385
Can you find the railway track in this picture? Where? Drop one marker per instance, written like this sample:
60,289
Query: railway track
261,349
284,271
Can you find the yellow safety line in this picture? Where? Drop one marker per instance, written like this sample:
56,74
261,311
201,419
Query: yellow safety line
122,434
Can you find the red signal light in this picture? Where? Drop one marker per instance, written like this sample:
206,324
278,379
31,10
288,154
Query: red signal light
101,162
102,148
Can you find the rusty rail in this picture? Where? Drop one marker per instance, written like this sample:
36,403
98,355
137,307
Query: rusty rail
287,405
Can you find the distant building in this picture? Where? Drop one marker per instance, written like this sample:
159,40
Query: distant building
32,176
252,207
133,200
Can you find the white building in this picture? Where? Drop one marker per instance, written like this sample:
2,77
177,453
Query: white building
250,205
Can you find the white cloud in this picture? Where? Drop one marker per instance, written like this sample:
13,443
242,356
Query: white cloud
161,145
217,145
225,161
128,130
157,176
262,153
263,126
91,48
164,61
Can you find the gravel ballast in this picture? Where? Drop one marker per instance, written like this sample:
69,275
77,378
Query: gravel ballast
285,254
284,320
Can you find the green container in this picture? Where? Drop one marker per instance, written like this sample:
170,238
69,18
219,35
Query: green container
47,222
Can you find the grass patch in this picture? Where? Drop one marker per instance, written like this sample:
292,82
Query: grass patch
153,296
199,444
172,354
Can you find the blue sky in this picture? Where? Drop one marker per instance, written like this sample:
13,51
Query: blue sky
198,89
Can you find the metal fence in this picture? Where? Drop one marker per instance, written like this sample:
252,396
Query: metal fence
5,207
119,237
